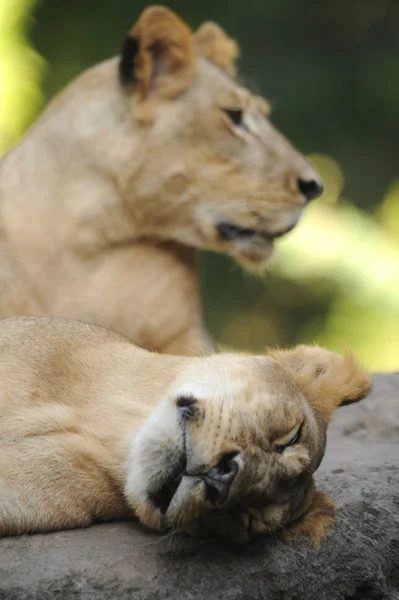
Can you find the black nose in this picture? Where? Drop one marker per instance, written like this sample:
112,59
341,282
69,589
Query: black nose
219,478
311,188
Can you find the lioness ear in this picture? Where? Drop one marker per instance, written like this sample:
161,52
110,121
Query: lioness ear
327,379
215,45
158,57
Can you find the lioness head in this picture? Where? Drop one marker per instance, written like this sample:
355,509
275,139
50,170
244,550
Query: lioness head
233,445
227,179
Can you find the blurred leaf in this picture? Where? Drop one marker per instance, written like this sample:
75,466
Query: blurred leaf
21,69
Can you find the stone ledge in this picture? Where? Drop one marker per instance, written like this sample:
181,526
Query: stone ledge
359,561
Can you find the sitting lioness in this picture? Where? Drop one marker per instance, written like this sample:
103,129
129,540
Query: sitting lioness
140,161
94,428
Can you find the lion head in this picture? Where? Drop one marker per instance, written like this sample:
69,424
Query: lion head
233,445
213,172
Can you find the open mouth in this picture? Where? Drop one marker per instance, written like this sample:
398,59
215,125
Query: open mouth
229,232
163,496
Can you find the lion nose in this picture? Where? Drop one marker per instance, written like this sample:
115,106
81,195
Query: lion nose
219,478
310,188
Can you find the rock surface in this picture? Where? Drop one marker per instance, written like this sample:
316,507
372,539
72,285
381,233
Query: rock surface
359,561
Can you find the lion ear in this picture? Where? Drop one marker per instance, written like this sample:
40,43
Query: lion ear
327,379
158,57
215,45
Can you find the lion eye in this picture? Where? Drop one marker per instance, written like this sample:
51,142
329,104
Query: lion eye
235,115
294,440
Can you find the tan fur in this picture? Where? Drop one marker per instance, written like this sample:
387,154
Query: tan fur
92,427
316,521
105,200
166,40
327,383
212,43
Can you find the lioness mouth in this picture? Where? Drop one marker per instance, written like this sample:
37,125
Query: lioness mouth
230,232
163,496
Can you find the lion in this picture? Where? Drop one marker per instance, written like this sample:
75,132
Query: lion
94,428
140,162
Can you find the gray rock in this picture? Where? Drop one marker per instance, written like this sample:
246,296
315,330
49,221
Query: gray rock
360,560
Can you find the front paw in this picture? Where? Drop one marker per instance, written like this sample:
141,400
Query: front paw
315,523
237,526
229,525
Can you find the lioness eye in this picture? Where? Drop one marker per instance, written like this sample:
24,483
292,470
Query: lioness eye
293,440
235,115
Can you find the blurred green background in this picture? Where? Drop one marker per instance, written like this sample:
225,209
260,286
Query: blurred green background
331,72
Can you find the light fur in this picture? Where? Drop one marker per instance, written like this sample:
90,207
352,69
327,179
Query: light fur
92,428
106,199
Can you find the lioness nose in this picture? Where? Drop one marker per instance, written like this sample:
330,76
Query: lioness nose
310,188
219,478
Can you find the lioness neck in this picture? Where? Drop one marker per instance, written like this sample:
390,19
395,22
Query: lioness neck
71,243
67,173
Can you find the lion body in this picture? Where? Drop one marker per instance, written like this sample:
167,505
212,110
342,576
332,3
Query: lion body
66,421
106,199
91,428
66,241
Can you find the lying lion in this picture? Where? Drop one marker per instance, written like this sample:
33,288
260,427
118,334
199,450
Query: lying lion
140,161
94,428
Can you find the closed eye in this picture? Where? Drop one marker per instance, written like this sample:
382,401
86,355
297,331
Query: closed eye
235,115
295,439
291,442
